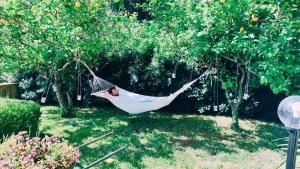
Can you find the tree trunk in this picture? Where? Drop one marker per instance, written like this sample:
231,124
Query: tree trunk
65,103
70,100
235,118
234,111
236,102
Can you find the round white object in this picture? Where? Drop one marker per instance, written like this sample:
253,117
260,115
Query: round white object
289,112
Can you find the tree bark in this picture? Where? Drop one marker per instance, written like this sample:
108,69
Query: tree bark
234,110
70,100
235,118
235,103
65,103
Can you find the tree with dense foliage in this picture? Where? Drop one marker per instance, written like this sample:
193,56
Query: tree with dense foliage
239,37
48,36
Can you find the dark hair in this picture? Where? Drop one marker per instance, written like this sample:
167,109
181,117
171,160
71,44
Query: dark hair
110,89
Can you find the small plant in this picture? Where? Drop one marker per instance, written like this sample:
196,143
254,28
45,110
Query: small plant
19,151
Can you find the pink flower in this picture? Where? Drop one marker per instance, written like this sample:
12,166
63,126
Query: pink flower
46,153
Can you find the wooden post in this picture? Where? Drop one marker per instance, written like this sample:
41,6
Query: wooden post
97,139
9,90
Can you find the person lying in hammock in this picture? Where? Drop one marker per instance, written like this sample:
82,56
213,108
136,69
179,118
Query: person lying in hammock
110,93
113,91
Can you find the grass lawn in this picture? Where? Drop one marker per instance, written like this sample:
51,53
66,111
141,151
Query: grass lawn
163,141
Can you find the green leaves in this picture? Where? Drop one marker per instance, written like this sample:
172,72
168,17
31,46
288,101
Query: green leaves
55,32
203,30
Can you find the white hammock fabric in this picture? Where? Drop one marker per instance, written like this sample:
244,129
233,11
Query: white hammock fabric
134,103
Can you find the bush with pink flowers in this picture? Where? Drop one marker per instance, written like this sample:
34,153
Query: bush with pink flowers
20,151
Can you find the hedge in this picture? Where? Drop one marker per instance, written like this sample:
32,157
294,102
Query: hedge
18,115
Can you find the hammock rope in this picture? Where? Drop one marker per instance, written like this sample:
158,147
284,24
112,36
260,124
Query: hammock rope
98,83
79,84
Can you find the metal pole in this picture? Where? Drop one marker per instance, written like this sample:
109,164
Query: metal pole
95,140
292,149
105,157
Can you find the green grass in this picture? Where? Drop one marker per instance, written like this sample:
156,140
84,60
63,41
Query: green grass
161,140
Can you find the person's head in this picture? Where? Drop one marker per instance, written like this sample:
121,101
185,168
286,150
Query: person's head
113,91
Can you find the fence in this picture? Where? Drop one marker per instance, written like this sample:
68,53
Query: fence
9,90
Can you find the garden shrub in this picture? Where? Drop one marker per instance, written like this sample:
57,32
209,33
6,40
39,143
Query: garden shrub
18,115
19,151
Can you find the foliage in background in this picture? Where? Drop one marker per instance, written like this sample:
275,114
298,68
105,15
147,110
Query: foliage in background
16,116
32,87
20,151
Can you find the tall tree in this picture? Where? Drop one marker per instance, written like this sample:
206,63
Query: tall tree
241,37
48,36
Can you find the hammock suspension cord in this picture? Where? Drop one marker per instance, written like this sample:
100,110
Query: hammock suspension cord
246,92
79,85
235,100
175,69
216,88
44,97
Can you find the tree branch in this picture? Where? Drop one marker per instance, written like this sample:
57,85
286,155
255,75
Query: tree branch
254,73
230,59
229,99
241,90
42,73
65,66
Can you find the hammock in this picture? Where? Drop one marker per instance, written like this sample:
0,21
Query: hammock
134,103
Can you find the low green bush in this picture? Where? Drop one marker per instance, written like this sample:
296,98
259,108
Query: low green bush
18,115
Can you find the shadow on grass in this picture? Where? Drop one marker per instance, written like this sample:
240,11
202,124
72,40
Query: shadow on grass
264,136
183,131
149,135
157,135
270,133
